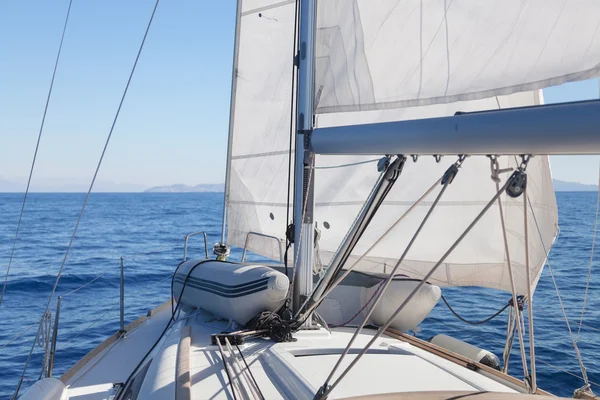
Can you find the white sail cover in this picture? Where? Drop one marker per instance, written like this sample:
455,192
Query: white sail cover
383,60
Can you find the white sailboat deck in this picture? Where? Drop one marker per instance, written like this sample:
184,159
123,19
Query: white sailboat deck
293,370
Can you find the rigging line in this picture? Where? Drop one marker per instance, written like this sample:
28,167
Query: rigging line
292,115
85,284
454,167
103,151
37,146
567,372
226,368
250,371
19,335
15,395
58,276
577,353
325,390
533,375
348,165
377,290
390,229
89,326
495,170
558,317
475,322
370,197
587,284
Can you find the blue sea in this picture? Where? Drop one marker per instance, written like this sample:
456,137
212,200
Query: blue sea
147,230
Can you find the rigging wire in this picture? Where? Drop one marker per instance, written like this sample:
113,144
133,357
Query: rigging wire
19,335
577,353
589,276
58,276
37,146
568,372
85,284
495,170
326,388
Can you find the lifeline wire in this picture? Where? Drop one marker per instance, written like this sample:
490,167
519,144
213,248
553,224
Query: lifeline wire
92,183
37,146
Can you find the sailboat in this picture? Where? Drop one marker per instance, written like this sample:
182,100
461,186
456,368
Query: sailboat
379,151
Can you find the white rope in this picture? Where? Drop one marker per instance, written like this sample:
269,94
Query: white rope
510,336
37,146
589,276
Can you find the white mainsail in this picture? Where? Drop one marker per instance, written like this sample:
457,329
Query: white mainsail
427,70
383,54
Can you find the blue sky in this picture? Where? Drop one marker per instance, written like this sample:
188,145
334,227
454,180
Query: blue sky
173,126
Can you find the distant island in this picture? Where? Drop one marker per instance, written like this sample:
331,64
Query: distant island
112,187
180,188
564,186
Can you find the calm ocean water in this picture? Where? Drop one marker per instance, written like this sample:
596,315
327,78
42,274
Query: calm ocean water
148,229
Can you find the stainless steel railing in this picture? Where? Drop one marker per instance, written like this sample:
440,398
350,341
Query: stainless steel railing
275,238
185,246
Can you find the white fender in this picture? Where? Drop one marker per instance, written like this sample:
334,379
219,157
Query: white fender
468,350
413,313
45,389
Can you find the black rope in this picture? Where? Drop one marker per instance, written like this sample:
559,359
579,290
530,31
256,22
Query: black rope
508,304
250,371
288,242
171,320
279,329
227,371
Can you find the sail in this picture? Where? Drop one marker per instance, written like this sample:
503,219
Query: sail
479,260
385,54
259,142
353,73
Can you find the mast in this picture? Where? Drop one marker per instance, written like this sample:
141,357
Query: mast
234,66
304,175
